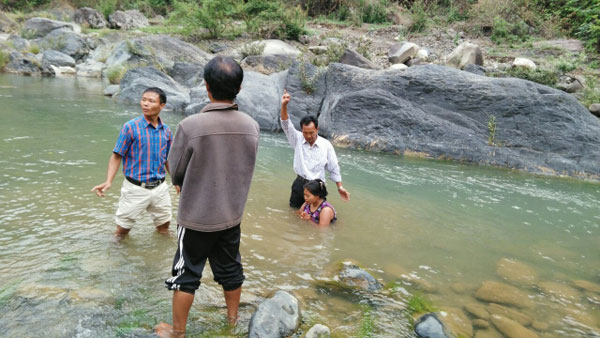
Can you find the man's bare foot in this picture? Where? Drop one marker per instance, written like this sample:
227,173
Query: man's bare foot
233,320
164,330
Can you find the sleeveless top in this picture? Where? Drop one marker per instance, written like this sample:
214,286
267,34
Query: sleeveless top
314,216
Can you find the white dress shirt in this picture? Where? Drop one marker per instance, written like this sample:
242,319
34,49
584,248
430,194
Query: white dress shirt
311,162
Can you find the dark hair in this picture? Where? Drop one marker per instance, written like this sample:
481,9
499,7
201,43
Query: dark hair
317,188
161,94
308,119
224,77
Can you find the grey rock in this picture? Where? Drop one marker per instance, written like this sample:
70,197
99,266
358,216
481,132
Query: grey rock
569,45
353,58
159,50
300,78
217,47
23,64
157,20
318,331
260,97
90,68
398,66
278,47
429,326
475,69
276,317
524,63
415,62
63,71
7,24
466,53
355,277
402,52
570,84
91,17
111,90
195,108
268,64
318,50
127,20
187,74
19,43
444,113
137,80
595,109
40,27
63,12
55,58
67,42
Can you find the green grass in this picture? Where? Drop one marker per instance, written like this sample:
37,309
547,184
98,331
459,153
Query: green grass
4,59
418,304
134,320
367,323
116,73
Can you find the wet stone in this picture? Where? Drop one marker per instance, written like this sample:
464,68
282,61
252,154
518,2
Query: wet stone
559,290
318,331
354,276
488,333
496,292
430,326
457,322
516,272
511,328
540,326
481,324
278,316
477,310
513,314
587,286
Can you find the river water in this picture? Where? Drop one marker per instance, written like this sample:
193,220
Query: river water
431,228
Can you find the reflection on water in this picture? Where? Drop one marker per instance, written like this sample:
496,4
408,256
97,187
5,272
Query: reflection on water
438,228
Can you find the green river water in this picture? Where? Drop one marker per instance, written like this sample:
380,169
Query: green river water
438,229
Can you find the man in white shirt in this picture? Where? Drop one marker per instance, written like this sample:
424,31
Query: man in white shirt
312,155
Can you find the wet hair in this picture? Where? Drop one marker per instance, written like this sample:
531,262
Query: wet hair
317,188
224,77
161,94
308,119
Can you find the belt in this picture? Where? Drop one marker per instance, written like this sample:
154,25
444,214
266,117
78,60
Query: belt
147,185
304,180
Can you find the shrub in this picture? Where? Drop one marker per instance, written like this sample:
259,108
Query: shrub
213,15
33,48
419,17
4,58
503,31
507,20
541,76
580,17
116,73
253,48
273,19
591,93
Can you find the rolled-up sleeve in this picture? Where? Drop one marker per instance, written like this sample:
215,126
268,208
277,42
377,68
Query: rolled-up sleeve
290,132
179,157
332,165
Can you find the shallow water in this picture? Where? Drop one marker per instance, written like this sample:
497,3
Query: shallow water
436,228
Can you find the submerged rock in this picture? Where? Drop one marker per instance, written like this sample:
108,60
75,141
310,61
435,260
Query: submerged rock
511,328
318,331
587,285
516,272
502,293
276,317
559,290
513,314
430,326
457,322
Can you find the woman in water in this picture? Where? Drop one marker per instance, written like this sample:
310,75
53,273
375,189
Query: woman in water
315,207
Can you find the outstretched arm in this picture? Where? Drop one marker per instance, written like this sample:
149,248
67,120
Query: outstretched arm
113,166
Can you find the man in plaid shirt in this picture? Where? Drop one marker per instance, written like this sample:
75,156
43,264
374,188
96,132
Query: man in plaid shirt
142,146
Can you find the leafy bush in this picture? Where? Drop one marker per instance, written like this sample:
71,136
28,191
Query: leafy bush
507,20
213,15
591,93
8,5
273,19
419,16
116,73
503,31
541,76
580,17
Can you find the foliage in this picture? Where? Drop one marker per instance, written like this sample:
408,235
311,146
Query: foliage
116,73
419,16
591,94
491,130
367,323
273,19
213,15
4,59
354,11
507,20
308,82
419,304
541,76
253,48
580,17
33,48
21,4
504,31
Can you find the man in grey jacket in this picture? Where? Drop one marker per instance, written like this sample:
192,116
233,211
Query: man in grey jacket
212,159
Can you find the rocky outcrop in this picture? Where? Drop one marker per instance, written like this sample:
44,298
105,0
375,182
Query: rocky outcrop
444,113
276,317
127,20
90,17
306,84
67,42
90,68
187,74
55,58
23,64
160,50
40,27
278,47
268,64
137,80
260,97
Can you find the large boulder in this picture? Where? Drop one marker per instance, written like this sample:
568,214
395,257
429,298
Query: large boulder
187,74
159,50
90,17
442,112
67,42
137,80
260,97
55,58
465,54
430,326
40,27
19,43
267,64
276,317
306,85
127,20
278,47
23,64
353,58
318,331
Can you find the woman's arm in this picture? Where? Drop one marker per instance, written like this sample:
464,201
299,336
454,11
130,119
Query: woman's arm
326,216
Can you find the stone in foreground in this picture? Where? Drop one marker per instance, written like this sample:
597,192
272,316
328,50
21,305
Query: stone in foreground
276,317
429,326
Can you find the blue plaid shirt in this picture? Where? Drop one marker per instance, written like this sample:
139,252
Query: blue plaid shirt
144,149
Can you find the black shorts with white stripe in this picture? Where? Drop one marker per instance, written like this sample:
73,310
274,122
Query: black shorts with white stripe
221,248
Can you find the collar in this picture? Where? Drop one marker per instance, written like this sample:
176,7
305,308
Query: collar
317,141
219,106
148,124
